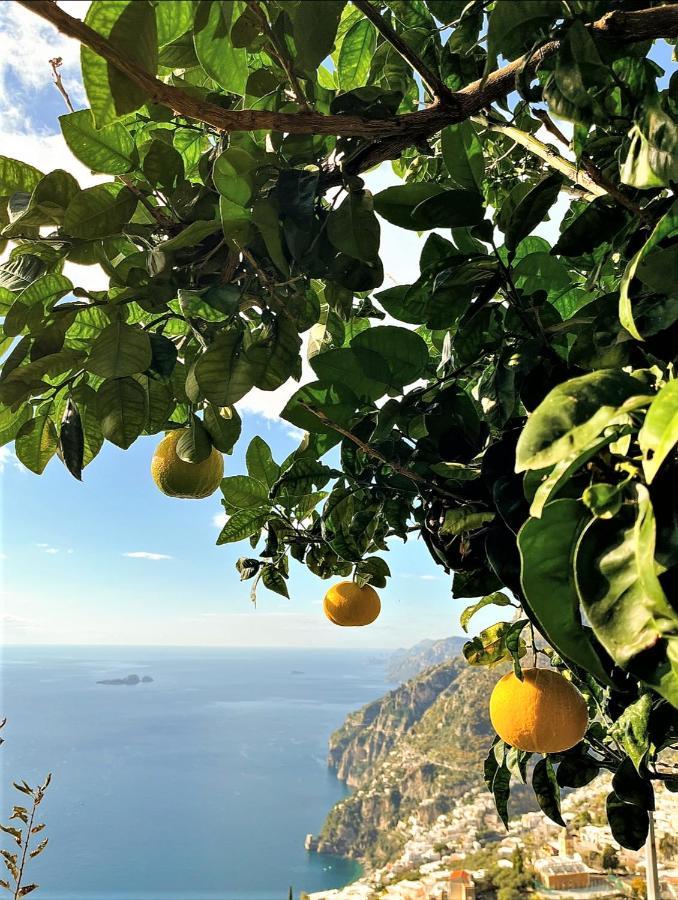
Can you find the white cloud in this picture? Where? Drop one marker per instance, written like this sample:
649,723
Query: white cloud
17,623
27,43
8,458
143,554
52,551
219,520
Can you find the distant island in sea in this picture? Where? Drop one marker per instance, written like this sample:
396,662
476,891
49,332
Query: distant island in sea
128,680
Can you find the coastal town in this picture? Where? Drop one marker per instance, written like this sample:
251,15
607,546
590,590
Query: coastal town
467,854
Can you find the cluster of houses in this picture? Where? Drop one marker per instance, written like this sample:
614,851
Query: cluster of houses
581,861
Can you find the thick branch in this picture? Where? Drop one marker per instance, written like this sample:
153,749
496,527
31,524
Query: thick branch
389,137
435,85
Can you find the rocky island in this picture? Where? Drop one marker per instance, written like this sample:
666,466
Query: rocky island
128,680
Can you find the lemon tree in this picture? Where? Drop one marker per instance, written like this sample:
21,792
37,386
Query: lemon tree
516,405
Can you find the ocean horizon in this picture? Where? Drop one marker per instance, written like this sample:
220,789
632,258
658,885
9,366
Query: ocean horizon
199,785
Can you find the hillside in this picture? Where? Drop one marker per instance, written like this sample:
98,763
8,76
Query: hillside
407,663
411,753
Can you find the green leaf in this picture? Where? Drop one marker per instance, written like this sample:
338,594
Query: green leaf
458,521
36,443
575,771
109,149
355,55
604,500
664,228
598,223
224,426
235,221
194,445
11,421
88,407
191,236
546,548
404,353
17,176
631,730
241,525
396,204
230,183
574,414
629,823
122,410
659,433
532,209
260,463
516,25
495,599
463,156
273,580
243,492
223,62
620,592
652,160
491,646
354,229
129,25
43,292
449,209
100,210
222,374
173,20
315,26
120,350
546,790
72,440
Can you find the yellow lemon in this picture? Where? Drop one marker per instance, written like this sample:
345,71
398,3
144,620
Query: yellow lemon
178,478
347,603
544,713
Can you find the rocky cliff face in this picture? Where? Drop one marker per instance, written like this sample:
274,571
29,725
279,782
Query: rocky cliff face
405,664
412,752
368,735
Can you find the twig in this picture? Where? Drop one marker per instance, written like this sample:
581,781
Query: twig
58,83
433,83
161,219
550,125
595,174
376,454
280,54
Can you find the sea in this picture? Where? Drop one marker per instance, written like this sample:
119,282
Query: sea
200,785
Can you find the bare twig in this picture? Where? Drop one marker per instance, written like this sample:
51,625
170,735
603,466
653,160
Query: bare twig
597,175
58,83
433,83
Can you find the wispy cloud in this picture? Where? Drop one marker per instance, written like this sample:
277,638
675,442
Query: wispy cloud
219,520
18,623
48,548
8,458
144,554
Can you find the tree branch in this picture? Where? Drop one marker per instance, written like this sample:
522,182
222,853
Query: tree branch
375,454
387,137
543,151
434,84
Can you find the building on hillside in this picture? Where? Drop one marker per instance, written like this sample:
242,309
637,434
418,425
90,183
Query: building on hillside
460,886
561,874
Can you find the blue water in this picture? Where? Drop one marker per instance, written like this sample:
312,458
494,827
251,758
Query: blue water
199,786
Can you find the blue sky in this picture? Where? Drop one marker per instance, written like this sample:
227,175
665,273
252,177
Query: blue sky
66,573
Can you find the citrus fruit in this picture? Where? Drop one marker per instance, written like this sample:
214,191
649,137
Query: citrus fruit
544,713
347,603
178,478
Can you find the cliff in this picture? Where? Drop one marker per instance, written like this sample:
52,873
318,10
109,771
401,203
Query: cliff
404,664
411,753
